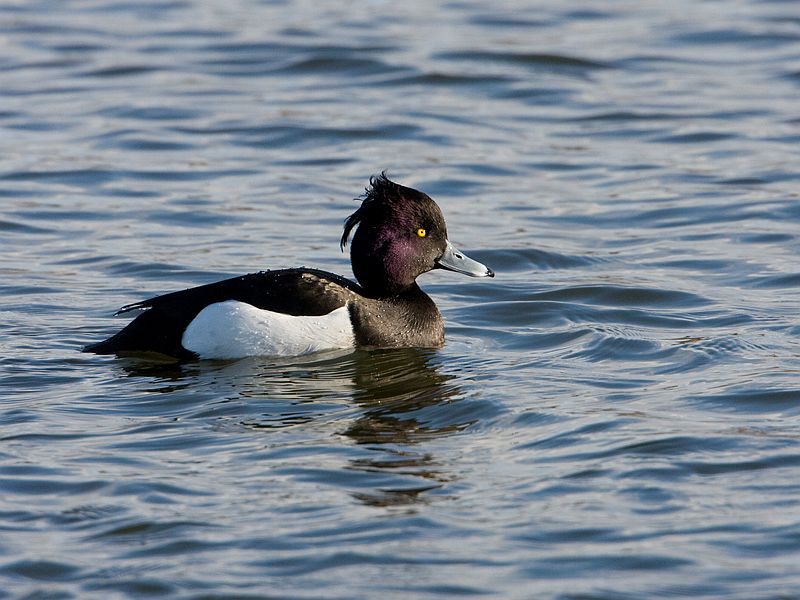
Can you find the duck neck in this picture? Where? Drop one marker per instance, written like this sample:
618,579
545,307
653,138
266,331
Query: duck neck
384,291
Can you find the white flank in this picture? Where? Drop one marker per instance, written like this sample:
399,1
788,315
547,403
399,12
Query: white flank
234,329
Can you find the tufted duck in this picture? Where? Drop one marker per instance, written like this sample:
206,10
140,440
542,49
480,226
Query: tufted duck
401,234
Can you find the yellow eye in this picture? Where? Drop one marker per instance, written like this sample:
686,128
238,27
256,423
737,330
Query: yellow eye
421,232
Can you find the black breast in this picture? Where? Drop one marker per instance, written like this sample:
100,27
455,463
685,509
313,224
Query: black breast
407,320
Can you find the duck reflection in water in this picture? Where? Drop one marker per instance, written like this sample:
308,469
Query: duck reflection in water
396,400
404,399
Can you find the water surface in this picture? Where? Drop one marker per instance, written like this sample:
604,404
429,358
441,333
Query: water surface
615,415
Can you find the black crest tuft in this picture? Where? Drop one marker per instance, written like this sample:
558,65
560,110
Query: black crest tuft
380,188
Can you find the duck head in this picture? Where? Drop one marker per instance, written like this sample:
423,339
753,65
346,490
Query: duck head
401,234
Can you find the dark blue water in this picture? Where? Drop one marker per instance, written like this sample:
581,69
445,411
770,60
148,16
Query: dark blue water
616,415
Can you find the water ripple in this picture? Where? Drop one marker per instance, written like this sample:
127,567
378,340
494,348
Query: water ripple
557,62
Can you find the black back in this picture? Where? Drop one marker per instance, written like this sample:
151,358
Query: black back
289,291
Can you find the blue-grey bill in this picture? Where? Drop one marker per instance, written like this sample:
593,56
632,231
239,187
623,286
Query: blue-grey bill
453,260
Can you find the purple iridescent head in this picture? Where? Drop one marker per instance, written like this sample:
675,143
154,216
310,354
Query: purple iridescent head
401,234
